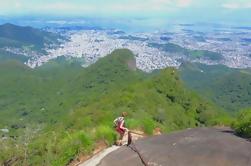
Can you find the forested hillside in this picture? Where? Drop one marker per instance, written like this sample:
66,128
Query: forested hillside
60,110
25,37
228,88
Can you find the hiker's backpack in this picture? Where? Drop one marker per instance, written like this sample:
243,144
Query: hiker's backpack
118,121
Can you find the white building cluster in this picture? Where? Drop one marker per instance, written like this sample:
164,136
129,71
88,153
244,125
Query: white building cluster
236,53
92,45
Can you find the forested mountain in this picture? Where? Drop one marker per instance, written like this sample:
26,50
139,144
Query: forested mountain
43,106
229,88
25,37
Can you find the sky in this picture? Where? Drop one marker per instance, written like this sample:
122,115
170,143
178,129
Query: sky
183,10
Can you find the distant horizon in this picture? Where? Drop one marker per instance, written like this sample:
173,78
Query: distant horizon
126,24
152,13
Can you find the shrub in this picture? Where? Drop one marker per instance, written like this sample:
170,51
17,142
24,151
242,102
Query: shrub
148,126
106,133
243,124
72,145
132,124
85,142
222,120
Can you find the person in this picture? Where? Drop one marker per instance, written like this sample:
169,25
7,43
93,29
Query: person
121,129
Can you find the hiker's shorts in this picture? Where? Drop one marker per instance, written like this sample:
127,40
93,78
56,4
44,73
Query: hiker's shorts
120,131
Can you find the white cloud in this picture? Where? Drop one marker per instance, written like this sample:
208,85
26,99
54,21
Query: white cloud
93,7
237,5
184,3
64,6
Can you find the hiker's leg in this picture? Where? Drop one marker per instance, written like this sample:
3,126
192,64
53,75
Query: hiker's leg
119,141
125,138
119,136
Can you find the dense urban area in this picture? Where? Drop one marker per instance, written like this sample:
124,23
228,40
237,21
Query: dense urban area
234,45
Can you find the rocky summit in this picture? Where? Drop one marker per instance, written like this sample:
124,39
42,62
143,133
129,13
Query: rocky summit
192,147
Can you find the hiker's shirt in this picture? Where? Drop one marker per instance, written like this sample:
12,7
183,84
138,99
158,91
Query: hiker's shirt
120,124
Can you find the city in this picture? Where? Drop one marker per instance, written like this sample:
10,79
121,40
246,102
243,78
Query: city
233,45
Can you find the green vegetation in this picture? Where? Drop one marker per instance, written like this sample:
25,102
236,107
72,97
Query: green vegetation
242,125
4,55
25,37
228,88
192,54
204,53
61,110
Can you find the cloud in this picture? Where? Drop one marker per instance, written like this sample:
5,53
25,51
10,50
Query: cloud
237,5
184,3
64,6
118,6
94,6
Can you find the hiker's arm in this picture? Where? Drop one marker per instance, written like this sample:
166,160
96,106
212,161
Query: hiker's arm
122,126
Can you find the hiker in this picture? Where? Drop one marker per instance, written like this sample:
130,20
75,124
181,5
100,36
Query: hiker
121,129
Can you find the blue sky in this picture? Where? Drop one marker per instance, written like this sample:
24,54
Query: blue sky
187,10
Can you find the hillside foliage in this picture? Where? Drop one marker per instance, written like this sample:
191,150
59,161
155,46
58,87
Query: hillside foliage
242,125
26,37
61,110
228,88
190,54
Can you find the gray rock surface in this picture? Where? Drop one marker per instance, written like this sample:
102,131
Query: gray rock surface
192,147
